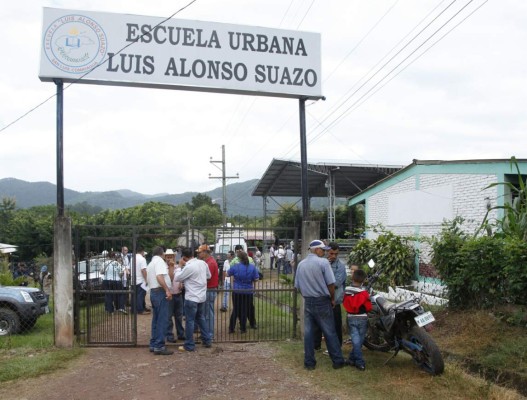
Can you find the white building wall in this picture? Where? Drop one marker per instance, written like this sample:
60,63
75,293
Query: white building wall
439,196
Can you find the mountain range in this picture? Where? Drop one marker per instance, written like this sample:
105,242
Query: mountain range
239,199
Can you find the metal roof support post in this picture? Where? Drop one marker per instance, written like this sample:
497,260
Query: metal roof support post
331,206
303,160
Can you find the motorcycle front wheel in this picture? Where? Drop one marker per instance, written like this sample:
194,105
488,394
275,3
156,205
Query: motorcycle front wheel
424,351
374,339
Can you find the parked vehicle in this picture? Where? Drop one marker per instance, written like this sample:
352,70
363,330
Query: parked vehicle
89,273
226,239
402,326
20,307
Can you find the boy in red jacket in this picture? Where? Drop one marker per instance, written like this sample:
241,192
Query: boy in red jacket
357,303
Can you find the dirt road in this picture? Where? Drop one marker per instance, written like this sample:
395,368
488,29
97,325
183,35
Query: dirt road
226,371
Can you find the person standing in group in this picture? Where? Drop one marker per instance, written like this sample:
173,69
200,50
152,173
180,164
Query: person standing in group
159,282
212,286
288,258
271,255
251,312
339,271
316,283
140,280
280,254
245,275
194,273
175,306
112,282
126,261
357,304
226,281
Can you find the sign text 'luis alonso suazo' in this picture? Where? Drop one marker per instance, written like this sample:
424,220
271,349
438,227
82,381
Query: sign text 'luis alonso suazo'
179,54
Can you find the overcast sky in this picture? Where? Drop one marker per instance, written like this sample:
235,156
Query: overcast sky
463,98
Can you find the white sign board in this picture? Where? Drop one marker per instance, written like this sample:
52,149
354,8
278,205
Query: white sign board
84,47
430,206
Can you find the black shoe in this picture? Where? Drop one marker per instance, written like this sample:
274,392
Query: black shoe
151,350
207,345
172,340
339,366
163,352
148,309
223,309
361,367
309,367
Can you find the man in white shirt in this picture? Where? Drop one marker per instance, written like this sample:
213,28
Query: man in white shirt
159,283
140,280
194,274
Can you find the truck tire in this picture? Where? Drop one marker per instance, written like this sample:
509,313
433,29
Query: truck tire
9,322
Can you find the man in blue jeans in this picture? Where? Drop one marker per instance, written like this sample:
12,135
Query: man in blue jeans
159,283
212,286
316,282
194,274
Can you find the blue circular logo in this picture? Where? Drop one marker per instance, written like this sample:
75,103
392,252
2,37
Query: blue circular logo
75,44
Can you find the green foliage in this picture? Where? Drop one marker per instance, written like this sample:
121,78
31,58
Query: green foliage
514,221
481,271
395,254
289,216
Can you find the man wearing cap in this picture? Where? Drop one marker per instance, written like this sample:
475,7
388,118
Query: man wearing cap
315,280
194,274
159,283
212,285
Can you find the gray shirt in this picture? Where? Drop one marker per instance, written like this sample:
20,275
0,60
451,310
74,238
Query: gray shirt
313,276
339,270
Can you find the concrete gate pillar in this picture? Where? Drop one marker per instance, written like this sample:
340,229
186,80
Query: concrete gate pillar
63,283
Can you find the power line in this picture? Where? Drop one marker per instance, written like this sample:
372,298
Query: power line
349,109
97,66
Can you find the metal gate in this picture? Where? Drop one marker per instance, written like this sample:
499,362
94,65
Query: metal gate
103,313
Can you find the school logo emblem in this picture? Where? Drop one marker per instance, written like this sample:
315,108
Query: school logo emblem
75,44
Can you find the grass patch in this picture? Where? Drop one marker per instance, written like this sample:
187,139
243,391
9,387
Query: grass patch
33,353
28,363
481,336
398,379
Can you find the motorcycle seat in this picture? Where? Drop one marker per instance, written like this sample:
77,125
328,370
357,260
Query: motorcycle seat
385,305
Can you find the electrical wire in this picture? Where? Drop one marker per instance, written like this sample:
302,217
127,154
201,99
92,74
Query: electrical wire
97,66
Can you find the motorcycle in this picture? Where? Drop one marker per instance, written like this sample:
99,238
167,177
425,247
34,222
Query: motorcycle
402,326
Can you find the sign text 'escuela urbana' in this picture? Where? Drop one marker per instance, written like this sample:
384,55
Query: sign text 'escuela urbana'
106,48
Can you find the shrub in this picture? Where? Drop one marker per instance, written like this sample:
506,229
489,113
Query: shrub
395,254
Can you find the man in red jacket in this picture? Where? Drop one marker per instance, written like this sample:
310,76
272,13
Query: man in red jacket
212,286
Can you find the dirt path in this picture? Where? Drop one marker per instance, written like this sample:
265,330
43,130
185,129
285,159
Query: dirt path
226,371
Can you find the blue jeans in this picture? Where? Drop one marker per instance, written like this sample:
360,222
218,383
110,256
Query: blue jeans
159,319
226,287
175,312
357,327
194,313
319,312
209,311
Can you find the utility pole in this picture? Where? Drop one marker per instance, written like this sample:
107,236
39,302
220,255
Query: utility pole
223,178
